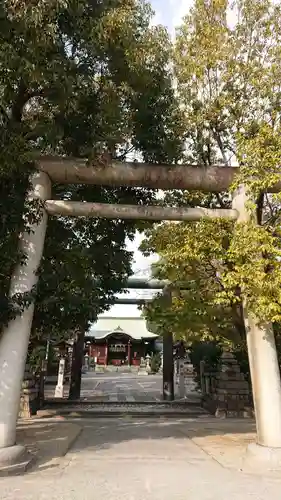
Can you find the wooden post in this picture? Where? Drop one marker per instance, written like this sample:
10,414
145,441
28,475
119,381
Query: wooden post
168,367
129,353
202,378
76,366
168,354
106,353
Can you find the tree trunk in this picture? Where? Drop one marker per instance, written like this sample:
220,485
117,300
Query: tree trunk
76,366
168,367
238,322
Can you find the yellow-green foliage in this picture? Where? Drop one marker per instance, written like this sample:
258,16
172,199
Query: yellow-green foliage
229,88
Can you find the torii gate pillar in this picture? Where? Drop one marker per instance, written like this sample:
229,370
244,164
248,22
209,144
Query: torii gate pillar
15,337
264,368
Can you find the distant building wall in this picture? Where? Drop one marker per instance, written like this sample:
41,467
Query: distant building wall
130,325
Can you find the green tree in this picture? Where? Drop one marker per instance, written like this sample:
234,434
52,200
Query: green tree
87,79
80,78
228,85
186,255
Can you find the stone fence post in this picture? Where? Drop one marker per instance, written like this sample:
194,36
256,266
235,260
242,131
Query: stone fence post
59,390
30,395
228,393
202,377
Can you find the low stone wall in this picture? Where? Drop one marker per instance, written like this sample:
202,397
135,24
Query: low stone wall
113,369
225,392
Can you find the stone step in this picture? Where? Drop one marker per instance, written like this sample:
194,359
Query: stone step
115,411
84,403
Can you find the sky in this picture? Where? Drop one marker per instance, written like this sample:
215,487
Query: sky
169,13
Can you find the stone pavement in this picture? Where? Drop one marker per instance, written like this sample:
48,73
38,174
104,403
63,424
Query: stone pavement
47,441
142,459
123,388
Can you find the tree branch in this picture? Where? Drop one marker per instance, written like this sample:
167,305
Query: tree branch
260,201
22,99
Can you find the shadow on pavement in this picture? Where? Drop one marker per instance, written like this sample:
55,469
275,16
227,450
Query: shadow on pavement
223,440
47,442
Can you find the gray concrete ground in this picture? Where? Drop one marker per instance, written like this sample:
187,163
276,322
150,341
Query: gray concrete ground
123,387
143,459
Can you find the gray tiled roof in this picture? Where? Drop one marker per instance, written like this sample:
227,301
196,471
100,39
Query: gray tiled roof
137,335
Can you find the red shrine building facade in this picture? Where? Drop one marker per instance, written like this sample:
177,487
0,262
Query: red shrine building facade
125,342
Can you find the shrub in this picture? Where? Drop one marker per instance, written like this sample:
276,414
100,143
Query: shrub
209,351
155,362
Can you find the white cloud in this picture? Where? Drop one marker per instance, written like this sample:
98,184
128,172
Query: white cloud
170,13
178,9
141,266
157,18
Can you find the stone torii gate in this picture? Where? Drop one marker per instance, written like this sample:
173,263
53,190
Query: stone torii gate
168,341
263,361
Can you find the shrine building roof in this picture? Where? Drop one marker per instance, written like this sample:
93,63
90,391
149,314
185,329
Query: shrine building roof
138,334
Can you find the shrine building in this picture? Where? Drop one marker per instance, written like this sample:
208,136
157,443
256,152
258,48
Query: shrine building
119,341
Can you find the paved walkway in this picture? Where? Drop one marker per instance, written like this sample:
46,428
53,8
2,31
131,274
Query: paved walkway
143,459
124,388
121,387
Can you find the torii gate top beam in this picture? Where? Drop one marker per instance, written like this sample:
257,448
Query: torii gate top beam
77,171
131,301
150,284
113,173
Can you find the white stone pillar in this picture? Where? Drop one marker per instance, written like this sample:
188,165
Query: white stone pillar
15,337
148,363
181,379
264,368
60,386
161,365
